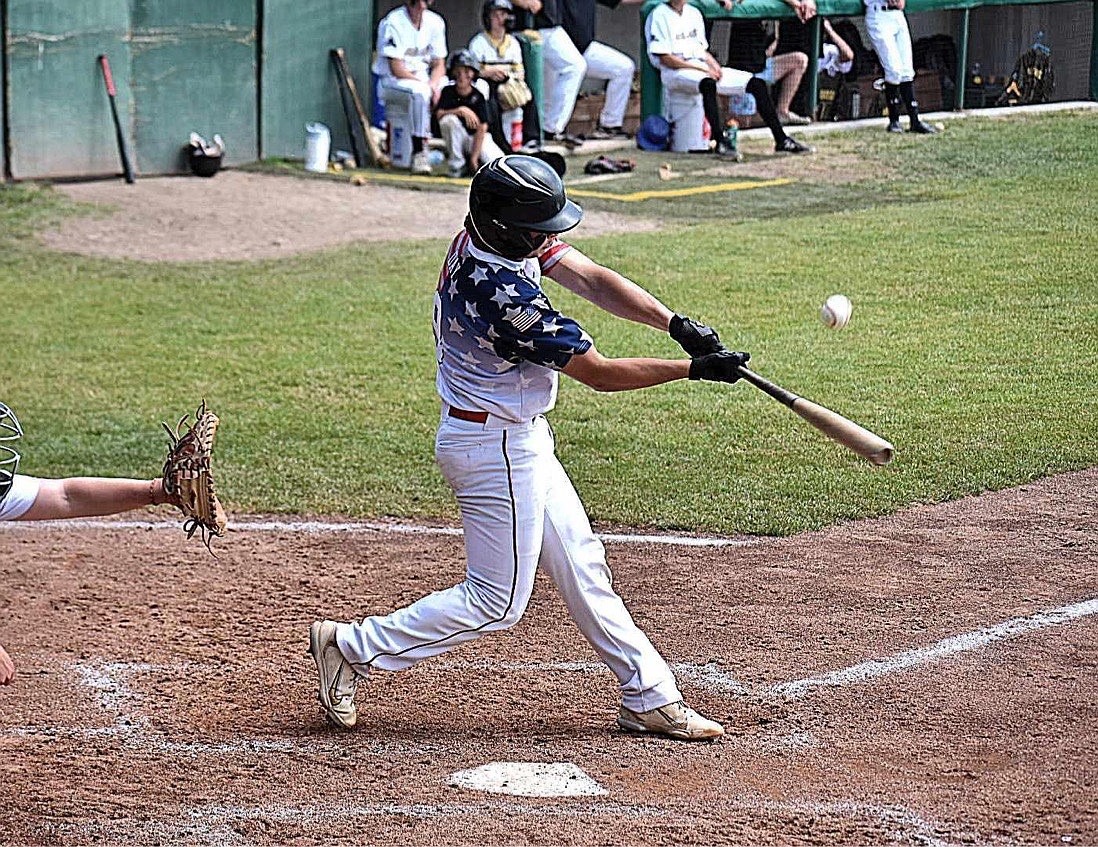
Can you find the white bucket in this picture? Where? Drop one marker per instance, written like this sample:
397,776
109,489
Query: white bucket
318,143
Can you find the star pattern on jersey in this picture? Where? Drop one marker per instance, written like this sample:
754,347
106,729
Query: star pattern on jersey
494,316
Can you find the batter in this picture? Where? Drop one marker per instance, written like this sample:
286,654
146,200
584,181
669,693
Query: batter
500,346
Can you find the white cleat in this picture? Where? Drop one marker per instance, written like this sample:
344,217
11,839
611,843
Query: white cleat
338,681
675,720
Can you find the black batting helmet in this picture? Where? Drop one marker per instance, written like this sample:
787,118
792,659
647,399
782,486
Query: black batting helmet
9,459
462,59
490,6
515,203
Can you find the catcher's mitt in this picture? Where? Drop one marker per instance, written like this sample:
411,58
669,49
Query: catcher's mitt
188,479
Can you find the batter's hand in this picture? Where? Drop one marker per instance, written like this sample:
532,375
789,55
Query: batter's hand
718,367
695,338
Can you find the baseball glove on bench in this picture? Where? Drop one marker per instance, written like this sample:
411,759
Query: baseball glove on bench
188,477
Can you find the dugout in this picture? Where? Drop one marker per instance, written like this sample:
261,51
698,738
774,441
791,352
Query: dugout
960,13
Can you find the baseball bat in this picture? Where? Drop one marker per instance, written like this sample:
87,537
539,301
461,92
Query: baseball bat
343,72
866,444
123,149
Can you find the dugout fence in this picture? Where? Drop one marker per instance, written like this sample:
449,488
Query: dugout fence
651,89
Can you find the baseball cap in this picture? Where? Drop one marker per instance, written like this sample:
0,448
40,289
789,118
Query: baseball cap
654,133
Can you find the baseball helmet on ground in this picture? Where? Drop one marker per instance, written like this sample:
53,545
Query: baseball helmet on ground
9,458
462,59
654,133
516,203
490,6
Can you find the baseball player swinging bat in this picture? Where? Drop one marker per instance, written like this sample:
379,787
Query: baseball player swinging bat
857,438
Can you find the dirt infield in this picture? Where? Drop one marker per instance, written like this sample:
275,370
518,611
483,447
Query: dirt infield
926,678
242,215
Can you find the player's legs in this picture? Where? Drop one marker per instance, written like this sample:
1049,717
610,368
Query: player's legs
416,95
564,72
882,28
575,560
495,475
788,70
458,141
605,62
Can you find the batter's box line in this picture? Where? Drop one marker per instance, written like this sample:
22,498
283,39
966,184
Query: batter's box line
369,528
711,676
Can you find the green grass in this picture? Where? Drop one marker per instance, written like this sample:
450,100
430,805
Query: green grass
970,258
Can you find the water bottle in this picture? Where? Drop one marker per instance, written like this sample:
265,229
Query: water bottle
732,135
855,104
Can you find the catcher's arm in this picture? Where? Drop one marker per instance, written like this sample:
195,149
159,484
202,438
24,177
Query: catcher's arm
188,476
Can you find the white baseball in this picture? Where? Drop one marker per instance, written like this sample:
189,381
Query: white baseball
835,312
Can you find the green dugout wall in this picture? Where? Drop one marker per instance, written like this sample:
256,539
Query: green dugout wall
254,71
651,90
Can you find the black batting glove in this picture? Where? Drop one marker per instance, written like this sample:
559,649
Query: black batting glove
695,338
718,367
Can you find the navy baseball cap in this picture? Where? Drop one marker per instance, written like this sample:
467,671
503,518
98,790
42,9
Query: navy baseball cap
654,133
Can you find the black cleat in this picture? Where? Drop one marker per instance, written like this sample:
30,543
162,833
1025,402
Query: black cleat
792,145
923,128
894,126
566,138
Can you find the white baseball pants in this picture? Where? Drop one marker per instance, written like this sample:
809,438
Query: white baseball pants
564,69
416,96
685,80
519,510
887,29
607,63
459,143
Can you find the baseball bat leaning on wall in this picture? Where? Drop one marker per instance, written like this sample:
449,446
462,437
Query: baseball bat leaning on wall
347,81
123,149
857,438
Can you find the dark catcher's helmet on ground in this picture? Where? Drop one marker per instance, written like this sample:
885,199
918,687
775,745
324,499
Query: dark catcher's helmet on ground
515,204
462,59
9,459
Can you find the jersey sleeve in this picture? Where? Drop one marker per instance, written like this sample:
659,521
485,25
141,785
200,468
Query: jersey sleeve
660,38
554,251
438,41
388,40
524,326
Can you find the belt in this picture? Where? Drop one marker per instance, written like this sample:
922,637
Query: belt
466,415
879,7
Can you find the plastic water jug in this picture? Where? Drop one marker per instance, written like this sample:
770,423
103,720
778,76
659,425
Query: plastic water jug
318,143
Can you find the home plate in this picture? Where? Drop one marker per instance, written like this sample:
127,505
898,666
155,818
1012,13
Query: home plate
529,779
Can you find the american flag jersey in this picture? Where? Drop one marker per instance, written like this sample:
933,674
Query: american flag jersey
498,340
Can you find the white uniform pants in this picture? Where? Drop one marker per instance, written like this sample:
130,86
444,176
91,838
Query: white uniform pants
887,29
685,80
519,510
563,72
607,63
416,96
459,143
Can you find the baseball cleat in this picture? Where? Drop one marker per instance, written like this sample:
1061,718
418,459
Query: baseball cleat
675,720
894,126
338,681
923,128
421,163
792,145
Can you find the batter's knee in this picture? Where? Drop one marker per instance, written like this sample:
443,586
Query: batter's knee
495,609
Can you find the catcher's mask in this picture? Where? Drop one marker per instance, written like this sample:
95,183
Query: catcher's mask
490,6
462,59
9,458
515,204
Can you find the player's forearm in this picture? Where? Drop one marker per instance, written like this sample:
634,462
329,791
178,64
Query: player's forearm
611,291
602,374
84,497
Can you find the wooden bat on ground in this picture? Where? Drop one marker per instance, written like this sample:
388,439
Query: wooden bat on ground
123,149
857,438
357,122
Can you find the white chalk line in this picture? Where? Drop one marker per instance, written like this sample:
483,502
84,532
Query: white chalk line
957,644
364,528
